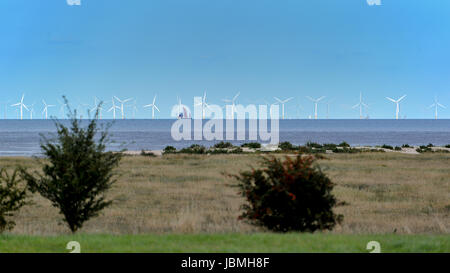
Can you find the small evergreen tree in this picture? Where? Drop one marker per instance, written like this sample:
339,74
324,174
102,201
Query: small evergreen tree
12,198
78,170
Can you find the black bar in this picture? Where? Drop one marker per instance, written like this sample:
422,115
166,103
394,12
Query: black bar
261,262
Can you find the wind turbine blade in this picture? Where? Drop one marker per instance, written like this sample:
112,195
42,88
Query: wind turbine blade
288,99
354,106
431,106
321,98
156,107
26,107
441,105
311,99
154,99
404,96
17,104
278,99
390,99
237,95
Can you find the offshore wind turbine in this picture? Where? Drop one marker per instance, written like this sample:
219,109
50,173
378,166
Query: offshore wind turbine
97,107
328,107
46,106
6,108
122,102
316,101
436,105
153,106
31,110
62,107
204,105
360,104
21,106
113,108
397,102
282,102
233,103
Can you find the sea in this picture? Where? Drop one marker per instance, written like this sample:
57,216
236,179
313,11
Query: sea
23,137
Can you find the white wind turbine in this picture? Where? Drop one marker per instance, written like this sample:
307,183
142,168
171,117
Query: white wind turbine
134,108
316,101
97,107
233,103
153,106
31,110
62,107
46,106
282,102
436,104
360,104
328,107
122,102
113,108
397,102
21,105
204,105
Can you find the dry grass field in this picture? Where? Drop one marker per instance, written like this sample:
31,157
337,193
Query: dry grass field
385,193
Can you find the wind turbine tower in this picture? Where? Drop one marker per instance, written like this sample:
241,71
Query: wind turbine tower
436,105
113,108
282,102
233,103
122,102
204,105
360,104
21,106
397,102
153,106
316,102
46,106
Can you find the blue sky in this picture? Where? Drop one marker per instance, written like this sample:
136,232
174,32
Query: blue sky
260,48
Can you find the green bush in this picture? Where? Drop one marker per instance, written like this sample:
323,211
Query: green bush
344,144
194,149
223,145
447,146
78,171
406,146
237,150
346,150
313,145
252,145
329,146
387,147
397,148
149,154
169,150
288,195
286,146
12,198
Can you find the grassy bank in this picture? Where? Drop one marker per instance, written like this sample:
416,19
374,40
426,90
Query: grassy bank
259,242
385,193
